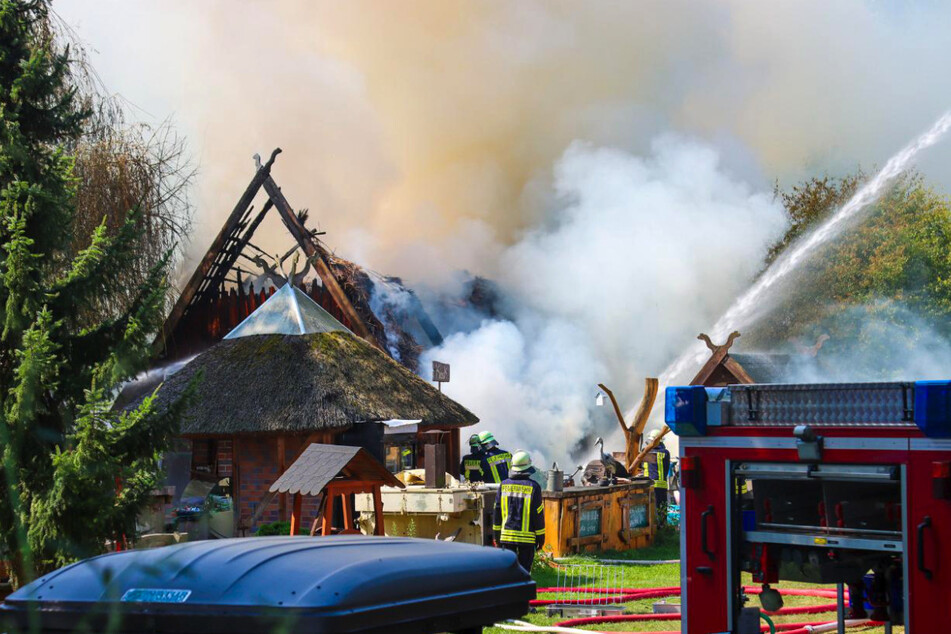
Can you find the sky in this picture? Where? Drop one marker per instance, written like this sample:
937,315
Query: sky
610,164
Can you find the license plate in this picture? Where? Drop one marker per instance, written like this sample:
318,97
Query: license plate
155,595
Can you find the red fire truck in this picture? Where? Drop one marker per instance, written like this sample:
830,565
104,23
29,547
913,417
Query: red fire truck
840,484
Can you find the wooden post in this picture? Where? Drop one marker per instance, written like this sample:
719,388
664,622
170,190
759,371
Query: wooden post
282,502
378,510
454,453
347,511
435,466
296,515
632,433
235,485
328,522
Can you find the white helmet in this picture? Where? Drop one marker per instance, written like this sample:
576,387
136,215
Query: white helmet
521,461
652,436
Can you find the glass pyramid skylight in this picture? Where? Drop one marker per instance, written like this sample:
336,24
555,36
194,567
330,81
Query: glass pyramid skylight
289,311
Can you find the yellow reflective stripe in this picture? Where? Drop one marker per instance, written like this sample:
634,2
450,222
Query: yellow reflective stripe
493,462
646,469
517,540
540,531
526,510
505,509
495,473
541,508
518,537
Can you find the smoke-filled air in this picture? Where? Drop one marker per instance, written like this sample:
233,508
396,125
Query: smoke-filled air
636,255
612,173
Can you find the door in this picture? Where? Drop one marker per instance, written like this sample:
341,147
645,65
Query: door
929,541
703,540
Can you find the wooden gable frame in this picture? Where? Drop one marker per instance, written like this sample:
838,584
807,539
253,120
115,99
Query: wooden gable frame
720,368
207,281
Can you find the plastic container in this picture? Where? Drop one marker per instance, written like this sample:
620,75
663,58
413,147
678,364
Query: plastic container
323,584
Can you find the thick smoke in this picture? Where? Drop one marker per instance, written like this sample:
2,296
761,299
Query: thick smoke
635,256
408,124
423,135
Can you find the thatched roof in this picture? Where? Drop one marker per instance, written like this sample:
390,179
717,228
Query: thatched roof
768,367
302,383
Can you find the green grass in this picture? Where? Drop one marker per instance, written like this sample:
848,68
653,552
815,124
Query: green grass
634,576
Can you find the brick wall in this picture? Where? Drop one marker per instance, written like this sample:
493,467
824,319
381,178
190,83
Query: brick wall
224,458
259,467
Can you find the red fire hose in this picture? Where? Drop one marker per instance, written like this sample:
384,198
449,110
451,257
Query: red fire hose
625,595
617,595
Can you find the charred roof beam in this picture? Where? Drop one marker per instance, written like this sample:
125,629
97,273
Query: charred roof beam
224,237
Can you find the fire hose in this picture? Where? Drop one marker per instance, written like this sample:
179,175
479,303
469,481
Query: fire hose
625,595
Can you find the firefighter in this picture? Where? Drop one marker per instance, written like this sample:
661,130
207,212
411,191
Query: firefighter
658,471
495,460
518,520
471,465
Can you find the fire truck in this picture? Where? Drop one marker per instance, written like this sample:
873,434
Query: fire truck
847,485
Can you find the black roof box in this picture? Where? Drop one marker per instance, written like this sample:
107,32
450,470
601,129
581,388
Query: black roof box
319,584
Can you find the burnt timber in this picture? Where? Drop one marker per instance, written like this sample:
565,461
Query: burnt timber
215,298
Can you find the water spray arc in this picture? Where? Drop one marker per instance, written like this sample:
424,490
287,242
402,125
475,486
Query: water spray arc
745,308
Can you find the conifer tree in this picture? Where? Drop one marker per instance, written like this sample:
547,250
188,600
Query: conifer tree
74,473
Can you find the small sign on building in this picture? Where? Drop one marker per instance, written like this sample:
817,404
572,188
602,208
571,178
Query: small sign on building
440,372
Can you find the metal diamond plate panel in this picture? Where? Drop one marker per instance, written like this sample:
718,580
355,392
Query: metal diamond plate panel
834,404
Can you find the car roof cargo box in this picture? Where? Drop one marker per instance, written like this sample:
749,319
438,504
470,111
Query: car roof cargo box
320,584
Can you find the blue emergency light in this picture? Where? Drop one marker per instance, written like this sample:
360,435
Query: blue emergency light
690,409
686,410
933,408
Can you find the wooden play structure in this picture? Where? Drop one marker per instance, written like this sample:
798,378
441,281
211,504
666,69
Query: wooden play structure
335,472
634,432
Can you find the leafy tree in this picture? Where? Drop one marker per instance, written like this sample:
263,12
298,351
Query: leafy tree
893,264
75,474
810,202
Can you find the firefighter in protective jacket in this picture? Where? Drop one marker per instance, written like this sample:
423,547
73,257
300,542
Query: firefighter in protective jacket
659,472
518,520
471,465
495,460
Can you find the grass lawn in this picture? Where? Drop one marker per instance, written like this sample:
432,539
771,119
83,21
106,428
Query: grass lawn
661,575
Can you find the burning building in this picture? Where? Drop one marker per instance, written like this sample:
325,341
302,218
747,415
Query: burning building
235,276
281,369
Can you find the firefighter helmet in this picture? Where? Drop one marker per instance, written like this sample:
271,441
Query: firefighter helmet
488,440
474,442
521,461
652,436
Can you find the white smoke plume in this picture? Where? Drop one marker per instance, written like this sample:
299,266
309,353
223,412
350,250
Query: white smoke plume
635,256
422,135
404,123
879,341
